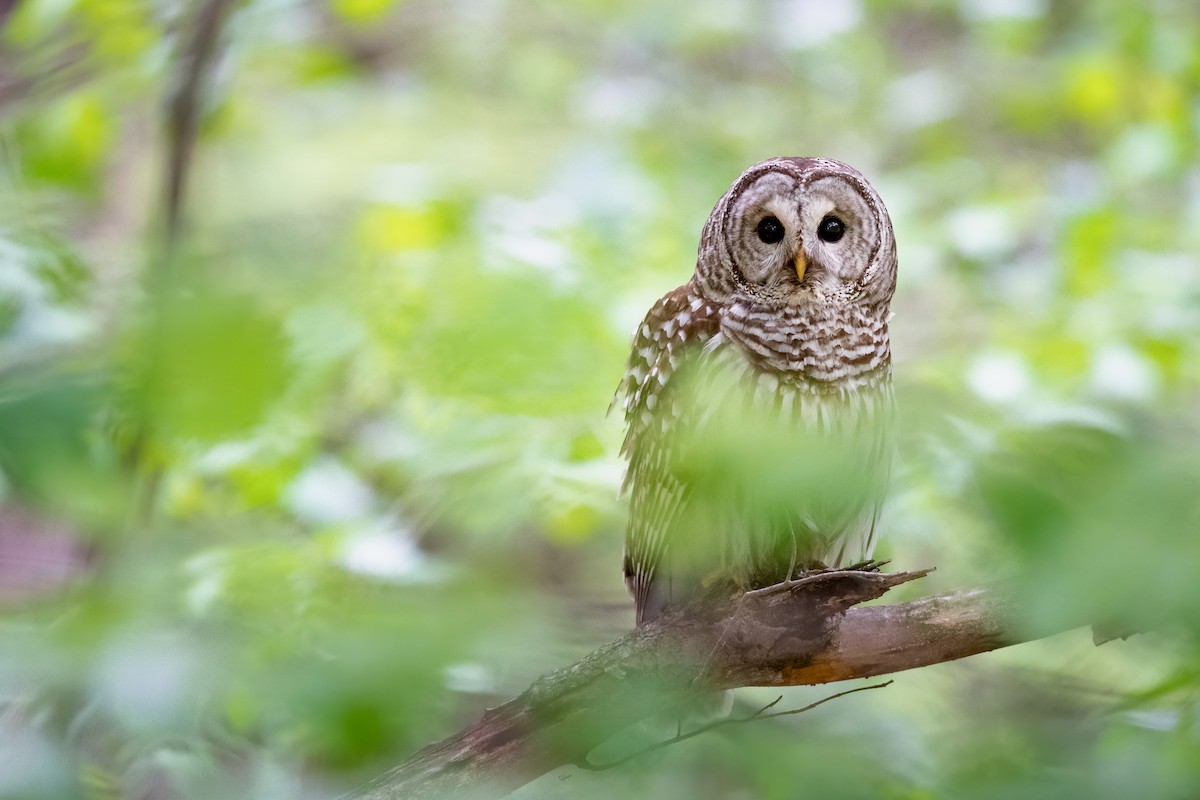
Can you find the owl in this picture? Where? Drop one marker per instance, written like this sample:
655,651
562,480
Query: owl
758,395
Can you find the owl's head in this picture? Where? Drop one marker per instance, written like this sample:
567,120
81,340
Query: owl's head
796,231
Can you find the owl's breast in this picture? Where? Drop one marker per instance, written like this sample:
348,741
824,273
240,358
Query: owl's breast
817,349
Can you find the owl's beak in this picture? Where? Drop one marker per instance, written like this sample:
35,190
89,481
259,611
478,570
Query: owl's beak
801,264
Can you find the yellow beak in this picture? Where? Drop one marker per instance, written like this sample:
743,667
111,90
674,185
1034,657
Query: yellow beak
801,264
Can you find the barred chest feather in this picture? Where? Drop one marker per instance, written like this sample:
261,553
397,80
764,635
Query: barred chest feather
808,361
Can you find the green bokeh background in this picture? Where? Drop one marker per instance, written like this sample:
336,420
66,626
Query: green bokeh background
314,485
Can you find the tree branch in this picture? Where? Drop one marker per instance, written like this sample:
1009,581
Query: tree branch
803,632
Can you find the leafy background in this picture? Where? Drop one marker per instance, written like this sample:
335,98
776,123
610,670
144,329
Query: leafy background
305,476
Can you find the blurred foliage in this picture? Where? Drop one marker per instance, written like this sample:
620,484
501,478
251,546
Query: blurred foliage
313,486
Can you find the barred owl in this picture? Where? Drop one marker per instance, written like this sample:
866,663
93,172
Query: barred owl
758,395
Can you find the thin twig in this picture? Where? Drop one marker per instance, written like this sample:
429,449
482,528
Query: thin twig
184,107
760,714
34,74
816,576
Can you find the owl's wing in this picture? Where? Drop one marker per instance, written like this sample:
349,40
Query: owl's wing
675,328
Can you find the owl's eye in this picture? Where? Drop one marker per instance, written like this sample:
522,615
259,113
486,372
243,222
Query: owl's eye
770,230
831,229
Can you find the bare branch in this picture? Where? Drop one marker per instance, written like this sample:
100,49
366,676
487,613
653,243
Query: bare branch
809,631
184,107
760,714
